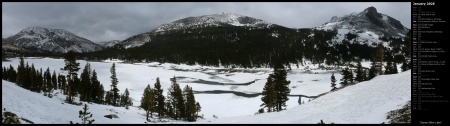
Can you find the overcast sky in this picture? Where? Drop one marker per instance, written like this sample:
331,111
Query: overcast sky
118,21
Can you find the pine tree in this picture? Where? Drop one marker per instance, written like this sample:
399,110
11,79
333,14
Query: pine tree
345,80
54,80
114,82
333,82
158,91
72,67
48,82
85,83
176,99
191,108
12,74
147,101
33,78
27,80
269,96
126,101
4,73
100,94
39,80
97,91
281,86
63,84
85,116
20,72
359,72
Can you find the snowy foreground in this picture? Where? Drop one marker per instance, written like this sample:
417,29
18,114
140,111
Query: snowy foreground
366,102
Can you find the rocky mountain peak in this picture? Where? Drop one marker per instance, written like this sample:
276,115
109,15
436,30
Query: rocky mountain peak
372,11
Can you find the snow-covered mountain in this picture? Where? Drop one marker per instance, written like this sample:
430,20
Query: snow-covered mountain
368,26
212,20
52,40
109,43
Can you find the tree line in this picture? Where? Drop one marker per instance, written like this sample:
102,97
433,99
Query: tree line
249,47
180,103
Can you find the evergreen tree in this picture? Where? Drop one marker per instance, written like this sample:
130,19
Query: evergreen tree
147,101
12,74
76,84
63,84
281,86
359,72
85,84
54,80
4,73
269,96
33,77
72,67
114,82
126,101
345,80
191,108
40,81
85,116
97,91
20,72
48,82
27,78
372,71
176,99
158,91
333,82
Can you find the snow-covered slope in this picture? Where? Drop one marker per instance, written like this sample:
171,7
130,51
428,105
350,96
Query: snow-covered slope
212,20
368,25
109,43
43,110
52,40
365,102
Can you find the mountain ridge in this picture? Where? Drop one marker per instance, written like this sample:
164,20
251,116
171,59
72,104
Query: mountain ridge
40,39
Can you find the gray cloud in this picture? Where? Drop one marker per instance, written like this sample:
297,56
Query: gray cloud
118,21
